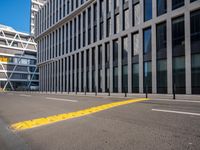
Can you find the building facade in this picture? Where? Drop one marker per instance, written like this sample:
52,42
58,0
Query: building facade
18,60
35,6
119,46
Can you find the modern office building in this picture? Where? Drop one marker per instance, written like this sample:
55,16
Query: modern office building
119,46
18,69
35,6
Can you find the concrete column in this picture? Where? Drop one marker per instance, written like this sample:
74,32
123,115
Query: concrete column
92,23
154,66
111,66
80,79
75,72
86,27
55,77
58,74
73,30
129,63
67,74
188,65
61,74
141,61
103,69
90,70
98,20
96,68
169,50
71,65
84,73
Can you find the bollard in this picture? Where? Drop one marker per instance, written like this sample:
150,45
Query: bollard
108,92
174,91
146,91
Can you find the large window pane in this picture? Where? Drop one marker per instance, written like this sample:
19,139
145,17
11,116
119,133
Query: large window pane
195,31
124,48
125,78
161,37
161,7
179,74
115,79
135,78
196,74
147,41
147,77
135,44
162,76
147,10
178,35
177,3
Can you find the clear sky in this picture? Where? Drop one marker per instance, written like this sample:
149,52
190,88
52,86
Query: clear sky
15,13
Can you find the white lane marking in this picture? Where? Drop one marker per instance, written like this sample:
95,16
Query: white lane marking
24,95
184,101
177,112
59,99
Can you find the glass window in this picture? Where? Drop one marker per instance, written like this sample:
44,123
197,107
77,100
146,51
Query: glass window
162,76
100,80
195,31
135,78
107,53
161,37
107,80
126,20
177,3
147,10
178,35
115,50
124,48
161,7
136,13
115,79
108,33
179,74
147,41
135,44
125,78
117,24
196,74
147,77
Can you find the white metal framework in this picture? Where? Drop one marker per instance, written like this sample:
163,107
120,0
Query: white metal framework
17,60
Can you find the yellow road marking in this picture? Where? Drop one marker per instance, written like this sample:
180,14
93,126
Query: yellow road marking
60,117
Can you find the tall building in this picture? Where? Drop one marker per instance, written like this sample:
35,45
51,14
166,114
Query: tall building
119,46
35,6
18,69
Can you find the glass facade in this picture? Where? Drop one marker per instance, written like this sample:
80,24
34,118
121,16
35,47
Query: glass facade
112,41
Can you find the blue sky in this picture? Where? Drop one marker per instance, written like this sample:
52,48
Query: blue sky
15,13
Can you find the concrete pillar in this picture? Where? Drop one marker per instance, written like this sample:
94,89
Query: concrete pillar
188,65
103,69
90,70
169,50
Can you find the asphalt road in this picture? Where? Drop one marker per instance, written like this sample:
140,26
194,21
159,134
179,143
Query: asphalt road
145,125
